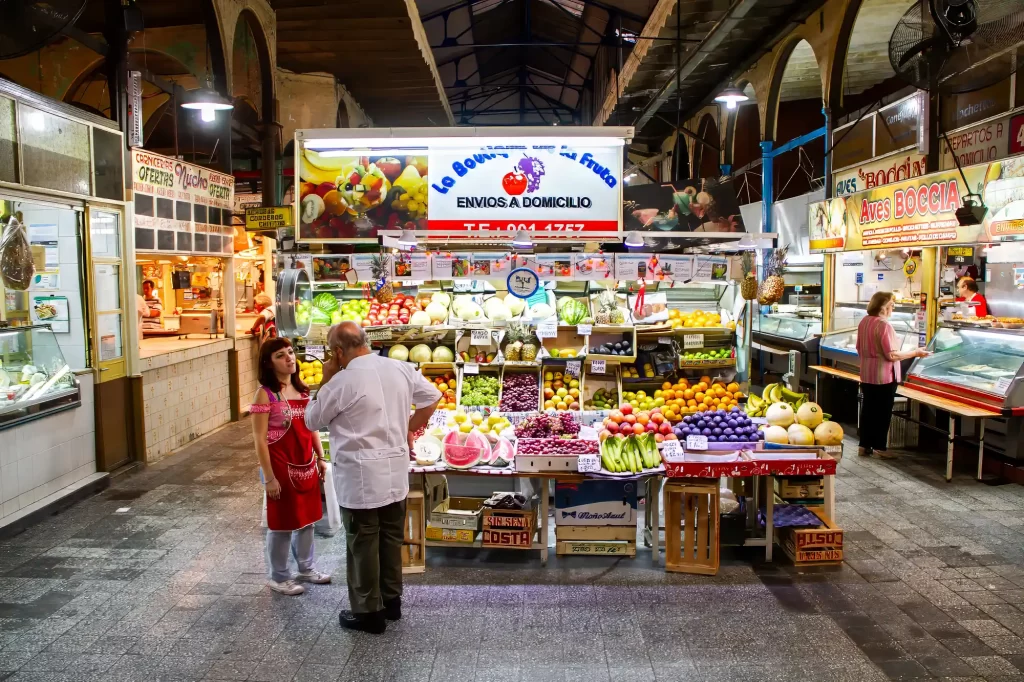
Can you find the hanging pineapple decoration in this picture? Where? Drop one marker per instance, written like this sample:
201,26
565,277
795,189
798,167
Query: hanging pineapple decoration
380,266
774,284
748,287
516,332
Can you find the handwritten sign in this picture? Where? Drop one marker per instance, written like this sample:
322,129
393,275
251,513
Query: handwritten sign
1002,385
480,337
671,448
597,367
547,330
378,334
573,368
268,218
696,442
439,419
693,341
471,368
522,282
588,464
584,329
315,352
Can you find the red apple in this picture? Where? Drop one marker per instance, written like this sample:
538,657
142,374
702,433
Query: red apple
612,426
626,408
651,426
658,438
665,428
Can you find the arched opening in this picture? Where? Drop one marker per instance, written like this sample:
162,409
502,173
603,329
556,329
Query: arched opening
706,153
798,102
745,147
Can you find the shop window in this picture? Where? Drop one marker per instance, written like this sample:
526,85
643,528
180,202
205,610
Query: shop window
104,236
853,146
56,151
109,328
958,111
145,239
214,216
183,211
199,213
165,208
200,242
8,153
108,164
184,241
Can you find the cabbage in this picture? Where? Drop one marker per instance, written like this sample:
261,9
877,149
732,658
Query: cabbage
320,317
420,318
325,302
398,352
420,353
436,311
443,354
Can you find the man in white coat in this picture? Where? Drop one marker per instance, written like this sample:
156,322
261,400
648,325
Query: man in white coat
366,409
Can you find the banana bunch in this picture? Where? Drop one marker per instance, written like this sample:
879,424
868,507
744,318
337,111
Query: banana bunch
757,406
320,169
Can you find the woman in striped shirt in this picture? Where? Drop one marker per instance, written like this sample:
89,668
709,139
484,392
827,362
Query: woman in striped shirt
880,359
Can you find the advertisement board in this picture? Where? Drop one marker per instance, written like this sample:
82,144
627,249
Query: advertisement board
877,172
985,142
180,207
537,183
922,211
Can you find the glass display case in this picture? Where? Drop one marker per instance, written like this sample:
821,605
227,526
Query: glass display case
976,366
35,380
786,332
840,343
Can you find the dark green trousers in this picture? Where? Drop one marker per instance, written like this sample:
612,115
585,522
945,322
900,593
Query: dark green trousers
374,557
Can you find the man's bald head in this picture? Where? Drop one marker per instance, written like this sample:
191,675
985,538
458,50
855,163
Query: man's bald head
348,341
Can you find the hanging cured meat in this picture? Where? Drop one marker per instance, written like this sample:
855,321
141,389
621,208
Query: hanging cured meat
16,267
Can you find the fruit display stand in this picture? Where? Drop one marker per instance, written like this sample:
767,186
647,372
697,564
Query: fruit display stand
609,383
555,378
528,369
611,334
567,344
471,348
469,377
450,373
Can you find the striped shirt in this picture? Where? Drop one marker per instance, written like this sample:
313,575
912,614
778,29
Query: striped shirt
876,340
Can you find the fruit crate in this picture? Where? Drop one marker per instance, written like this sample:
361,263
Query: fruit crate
508,528
567,338
580,299
493,370
464,341
611,334
458,513
821,546
526,368
553,371
609,381
433,371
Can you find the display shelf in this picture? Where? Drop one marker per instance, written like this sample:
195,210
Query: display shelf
707,364
35,380
610,381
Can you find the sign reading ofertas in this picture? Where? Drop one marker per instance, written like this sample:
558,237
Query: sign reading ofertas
533,186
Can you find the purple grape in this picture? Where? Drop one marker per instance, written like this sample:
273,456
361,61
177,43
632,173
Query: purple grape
706,432
717,431
727,431
533,169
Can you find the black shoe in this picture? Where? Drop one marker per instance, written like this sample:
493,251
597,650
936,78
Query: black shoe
393,609
372,623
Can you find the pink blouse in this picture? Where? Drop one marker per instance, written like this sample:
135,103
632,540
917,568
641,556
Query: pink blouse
876,340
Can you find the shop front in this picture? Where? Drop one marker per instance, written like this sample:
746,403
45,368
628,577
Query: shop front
62,363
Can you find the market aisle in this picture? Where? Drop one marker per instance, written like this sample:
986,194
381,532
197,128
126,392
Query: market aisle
172,589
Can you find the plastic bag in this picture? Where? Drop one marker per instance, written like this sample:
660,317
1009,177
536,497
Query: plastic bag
331,499
16,267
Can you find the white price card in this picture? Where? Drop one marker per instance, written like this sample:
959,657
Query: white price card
471,368
547,330
597,367
693,341
438,419
588,464
587,433
671,448
379,334
573,368
480,337
696,442
584,329
1002,385
315,352
665,339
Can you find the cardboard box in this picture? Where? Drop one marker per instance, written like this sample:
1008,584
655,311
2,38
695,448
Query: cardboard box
800,488
458,512
452,535
508,528
596,548
596,503
813,546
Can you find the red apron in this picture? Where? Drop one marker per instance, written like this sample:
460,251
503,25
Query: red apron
294,463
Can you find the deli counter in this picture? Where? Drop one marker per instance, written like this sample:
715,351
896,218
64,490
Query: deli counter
784,331
839,345
35,380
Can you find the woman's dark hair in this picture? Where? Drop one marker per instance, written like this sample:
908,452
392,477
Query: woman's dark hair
878,301
970,284
267,375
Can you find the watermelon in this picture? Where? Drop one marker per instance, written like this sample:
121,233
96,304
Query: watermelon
325,302
502,453
464,451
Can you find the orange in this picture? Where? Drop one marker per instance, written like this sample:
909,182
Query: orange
688,394
706,380
666,385
691,403
702,408
699,396
668,395
733,387
719,392
708,400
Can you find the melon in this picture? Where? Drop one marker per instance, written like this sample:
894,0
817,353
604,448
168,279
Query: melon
828,433
515,304
398,352
776,434
420,318
780,414
502,454
810,415
420,353
541,311
441,298
464,451
800,435
427,450
471,312
443,354
436,311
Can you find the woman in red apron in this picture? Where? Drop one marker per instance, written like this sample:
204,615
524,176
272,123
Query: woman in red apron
292,465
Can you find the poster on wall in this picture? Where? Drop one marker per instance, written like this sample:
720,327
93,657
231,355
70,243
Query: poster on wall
549,266
537,184
334,268
593,266
985,142
301,261
441,266
51,310
43,240
710,269
689,206
411,266
180,207
654,267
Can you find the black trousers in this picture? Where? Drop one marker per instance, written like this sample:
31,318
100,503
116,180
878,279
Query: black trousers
876,414
374,557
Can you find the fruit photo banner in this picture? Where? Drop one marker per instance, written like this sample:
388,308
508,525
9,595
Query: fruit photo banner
922,211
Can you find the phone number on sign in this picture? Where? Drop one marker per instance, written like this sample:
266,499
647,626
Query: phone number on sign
530,227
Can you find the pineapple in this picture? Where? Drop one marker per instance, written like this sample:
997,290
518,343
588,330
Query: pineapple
379,268
514,348
748,288
774,284
529,350
606,303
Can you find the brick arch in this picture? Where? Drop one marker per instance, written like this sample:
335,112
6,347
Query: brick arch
705,160
778,70
265,59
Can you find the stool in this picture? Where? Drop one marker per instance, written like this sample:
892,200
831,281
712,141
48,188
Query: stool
414,545
692,505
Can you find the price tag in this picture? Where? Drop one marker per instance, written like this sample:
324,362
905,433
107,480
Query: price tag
471,368
588,464
573,368
665,339
696,442
1002,385
584,329
597,367
693,341
438,419
587,433
671,448
315,352
480,337
547,330
379,334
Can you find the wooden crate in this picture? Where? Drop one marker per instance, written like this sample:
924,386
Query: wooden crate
455,536
555,369
526,368
566,338
813,546
800,488
440,369
691,526
488,370
464,339
611,334
609,381
508,528
414,548
595,533
458,512
596,548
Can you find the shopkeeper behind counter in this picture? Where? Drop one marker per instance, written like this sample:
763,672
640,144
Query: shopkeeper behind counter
149,309
967,291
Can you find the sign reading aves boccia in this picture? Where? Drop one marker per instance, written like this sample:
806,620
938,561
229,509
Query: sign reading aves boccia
523,282
528,185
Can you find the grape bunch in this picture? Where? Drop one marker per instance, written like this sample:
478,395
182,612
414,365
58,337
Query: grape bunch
556,446
519,393
533,169
545,425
